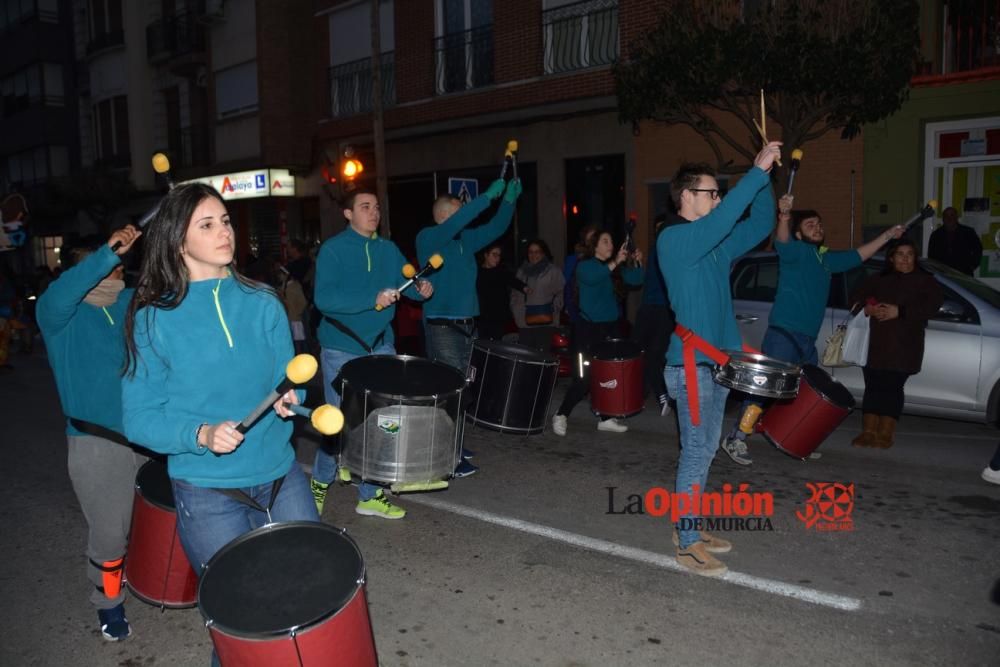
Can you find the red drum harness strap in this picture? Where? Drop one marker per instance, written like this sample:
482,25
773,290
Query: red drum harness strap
691,343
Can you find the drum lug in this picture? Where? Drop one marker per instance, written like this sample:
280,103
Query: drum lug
209,623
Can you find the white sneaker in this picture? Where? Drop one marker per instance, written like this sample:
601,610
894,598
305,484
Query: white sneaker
665,408
991,475
612,425
559,424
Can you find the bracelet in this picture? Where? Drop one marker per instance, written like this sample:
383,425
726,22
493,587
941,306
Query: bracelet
197,435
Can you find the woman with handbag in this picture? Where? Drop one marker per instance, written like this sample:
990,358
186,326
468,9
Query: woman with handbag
898,302
536,308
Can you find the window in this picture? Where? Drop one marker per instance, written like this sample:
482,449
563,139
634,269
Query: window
15,12
39,83
47,250
28,167
111,137
350,58
579,34
105,24
464,48
236,90
756,280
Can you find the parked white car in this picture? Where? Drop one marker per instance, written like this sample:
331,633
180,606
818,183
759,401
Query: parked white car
960,377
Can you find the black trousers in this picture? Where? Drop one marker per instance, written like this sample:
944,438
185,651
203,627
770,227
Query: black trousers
585,336
884,392
653,327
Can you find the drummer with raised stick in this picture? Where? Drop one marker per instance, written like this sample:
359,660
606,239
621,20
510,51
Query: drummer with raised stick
695,251
805,266
356,274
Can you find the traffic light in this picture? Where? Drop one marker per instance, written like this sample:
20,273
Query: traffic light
351,167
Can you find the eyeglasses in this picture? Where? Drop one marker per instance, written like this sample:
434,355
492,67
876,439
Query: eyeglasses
714,194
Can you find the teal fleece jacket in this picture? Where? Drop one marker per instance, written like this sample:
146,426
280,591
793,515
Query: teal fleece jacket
211,359
804,271
351,269
597,300
85,343
455,282
695,259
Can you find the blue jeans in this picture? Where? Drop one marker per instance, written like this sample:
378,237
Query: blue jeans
446,344
325,463
787,346
208,520
698,443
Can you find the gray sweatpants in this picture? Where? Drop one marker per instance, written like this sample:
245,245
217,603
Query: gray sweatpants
103,477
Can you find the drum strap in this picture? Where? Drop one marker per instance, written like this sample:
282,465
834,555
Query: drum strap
343,328
240,496
690,343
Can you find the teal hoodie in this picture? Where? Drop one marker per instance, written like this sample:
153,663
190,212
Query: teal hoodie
695,259
596,299
351,270
455,282
211,359
85,344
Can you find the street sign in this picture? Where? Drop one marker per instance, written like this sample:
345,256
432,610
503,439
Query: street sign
465,189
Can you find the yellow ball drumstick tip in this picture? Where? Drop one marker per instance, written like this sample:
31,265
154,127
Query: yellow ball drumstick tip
327,419
797,154
409,271
161,164
933,204
436,261
512,146
301,368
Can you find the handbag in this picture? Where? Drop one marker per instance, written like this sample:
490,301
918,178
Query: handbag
855,350
833,355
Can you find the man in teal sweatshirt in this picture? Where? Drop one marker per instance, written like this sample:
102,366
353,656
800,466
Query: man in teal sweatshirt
355,271
80,316
450,319
695,252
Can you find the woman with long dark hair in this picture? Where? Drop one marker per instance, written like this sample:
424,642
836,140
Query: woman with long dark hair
898,303
203,346
598,312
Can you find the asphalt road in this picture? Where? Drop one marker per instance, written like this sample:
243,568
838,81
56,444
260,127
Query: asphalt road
523,564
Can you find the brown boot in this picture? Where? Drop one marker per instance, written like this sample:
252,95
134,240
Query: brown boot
886,434
869,431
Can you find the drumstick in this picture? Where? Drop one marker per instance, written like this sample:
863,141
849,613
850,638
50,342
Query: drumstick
327,419
161,165
926,212
509,159
299,370
433,264
762,127
793,167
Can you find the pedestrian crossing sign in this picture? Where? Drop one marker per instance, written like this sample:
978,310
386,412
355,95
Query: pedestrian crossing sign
466,189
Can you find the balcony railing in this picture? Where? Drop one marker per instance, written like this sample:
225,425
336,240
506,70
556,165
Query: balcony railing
17,14
105,40
580,35
174,36
351,86
464,60
971,36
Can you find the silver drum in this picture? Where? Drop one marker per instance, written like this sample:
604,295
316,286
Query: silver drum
759,375
402,420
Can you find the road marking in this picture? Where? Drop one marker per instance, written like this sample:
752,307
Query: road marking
771,586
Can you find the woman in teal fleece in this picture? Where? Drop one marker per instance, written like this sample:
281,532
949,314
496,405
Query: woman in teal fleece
203,346
80,316
597,307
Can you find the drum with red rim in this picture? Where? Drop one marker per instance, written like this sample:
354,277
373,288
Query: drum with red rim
797,427
290,593
616,378
156,569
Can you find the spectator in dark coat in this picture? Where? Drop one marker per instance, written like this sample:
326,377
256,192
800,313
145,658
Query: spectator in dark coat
899,302
956,245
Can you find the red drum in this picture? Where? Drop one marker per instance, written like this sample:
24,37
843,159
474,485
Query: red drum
616,378
797,427
156,569
289,593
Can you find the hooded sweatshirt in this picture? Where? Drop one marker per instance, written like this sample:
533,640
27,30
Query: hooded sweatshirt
695,258
351,270
211,359
455,282
85,343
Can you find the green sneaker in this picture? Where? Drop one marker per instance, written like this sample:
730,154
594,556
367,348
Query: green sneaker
319,490
380,506
344,475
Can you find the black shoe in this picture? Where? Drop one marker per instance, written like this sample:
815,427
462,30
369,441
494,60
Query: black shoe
467,453
114,625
